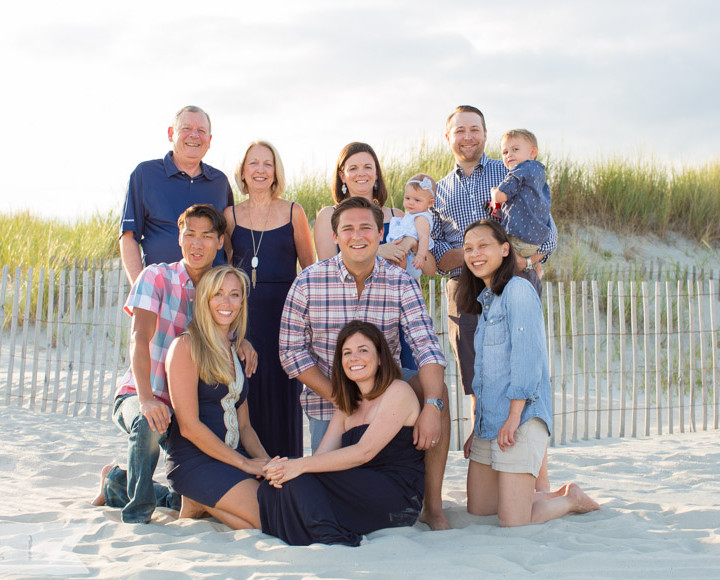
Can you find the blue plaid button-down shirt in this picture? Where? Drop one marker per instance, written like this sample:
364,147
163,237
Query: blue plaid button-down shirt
324,298
462,199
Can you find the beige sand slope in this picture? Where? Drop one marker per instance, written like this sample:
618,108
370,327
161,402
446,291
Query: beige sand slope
660,519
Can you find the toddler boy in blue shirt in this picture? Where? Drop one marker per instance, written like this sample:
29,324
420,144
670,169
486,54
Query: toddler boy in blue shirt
524,194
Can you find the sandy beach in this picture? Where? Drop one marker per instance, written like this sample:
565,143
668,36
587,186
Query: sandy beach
660,516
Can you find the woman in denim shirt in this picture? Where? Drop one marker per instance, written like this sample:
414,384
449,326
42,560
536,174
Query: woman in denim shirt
513,415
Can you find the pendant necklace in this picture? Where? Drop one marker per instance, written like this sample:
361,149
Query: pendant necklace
255,261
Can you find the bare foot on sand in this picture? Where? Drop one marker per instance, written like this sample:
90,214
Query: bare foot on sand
191,509
99,499
581,502
435,521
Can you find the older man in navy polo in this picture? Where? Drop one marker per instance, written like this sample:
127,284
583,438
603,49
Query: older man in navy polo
161,189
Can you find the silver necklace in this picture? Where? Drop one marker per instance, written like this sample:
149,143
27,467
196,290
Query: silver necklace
255,260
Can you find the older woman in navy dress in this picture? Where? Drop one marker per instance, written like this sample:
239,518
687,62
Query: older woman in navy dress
214,454
266,237
366,474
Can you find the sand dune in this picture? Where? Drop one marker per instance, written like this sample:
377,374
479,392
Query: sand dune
660,516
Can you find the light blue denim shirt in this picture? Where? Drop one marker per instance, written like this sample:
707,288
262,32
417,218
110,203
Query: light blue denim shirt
511,360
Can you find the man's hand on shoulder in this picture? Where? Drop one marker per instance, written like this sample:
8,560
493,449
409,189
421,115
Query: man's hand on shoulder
248,355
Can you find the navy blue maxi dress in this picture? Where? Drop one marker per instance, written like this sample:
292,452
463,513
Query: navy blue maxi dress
339,507
273,399
191,472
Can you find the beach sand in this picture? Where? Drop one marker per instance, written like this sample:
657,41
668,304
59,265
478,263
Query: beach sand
660,516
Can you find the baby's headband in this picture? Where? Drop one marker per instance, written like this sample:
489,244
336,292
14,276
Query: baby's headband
425,184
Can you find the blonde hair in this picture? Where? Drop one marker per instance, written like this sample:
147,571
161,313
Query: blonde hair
207,343
278,186
522,133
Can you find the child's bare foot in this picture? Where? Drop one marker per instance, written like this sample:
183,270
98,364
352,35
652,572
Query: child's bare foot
191,509
581,502
99,499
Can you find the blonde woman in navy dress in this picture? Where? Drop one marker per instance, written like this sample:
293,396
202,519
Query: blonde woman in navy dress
267,237
214,454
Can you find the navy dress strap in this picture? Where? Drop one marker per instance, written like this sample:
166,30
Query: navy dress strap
235,218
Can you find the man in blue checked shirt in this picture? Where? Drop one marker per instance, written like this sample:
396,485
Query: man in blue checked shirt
462,198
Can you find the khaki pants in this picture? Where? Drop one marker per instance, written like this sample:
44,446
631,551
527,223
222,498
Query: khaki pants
523,248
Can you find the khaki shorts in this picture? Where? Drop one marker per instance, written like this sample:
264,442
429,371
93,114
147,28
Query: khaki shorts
525,456
523,248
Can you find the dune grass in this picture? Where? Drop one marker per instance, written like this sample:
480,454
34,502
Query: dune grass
625,195
641,196
28,240
638,195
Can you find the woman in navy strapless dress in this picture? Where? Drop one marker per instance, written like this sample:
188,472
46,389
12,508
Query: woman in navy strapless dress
366,474
214,454
266,237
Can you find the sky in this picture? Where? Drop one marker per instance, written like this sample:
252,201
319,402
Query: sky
91,87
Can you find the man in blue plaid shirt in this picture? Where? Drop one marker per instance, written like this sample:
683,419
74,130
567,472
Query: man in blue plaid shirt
462,198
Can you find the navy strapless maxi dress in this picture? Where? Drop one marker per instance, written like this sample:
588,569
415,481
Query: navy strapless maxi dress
273,398
339,507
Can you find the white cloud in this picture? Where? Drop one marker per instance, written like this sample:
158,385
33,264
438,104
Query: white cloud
92,87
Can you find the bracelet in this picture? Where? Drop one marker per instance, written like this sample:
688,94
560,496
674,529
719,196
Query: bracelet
528,264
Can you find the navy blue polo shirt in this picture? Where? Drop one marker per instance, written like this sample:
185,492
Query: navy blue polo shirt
158,192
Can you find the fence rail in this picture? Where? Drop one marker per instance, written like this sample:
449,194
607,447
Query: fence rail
652,271
627,358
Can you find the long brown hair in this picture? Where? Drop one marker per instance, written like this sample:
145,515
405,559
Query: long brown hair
469,286
346,393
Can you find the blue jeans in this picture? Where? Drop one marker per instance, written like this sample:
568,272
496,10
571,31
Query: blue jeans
134,491
317,431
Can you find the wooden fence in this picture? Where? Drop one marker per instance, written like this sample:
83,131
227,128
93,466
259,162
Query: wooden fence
64,339
653,271
627,358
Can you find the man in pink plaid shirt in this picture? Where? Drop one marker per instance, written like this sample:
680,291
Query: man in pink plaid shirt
160,303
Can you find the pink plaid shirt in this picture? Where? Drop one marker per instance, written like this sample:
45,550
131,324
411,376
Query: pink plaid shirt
168,291
324,298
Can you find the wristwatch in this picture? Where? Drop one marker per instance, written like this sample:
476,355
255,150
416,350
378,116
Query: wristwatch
437,402
528,264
